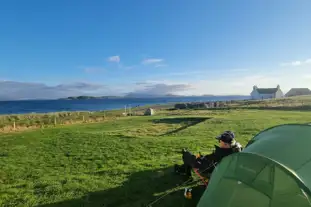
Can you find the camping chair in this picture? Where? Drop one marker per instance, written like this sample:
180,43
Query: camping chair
203,177
205,173
201,167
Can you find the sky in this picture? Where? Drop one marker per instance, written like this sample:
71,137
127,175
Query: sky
53,49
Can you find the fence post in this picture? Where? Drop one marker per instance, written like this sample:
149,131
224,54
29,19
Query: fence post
130,110
83,118
55,121
14,125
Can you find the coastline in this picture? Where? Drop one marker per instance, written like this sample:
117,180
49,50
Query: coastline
21,122
28,121
74,105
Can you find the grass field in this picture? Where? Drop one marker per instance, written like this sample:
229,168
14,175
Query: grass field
124,162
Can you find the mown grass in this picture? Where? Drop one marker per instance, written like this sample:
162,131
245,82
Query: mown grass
125,162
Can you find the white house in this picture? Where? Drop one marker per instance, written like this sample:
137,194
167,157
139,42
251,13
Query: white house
266,93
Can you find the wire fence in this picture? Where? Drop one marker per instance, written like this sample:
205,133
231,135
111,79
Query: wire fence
13,122
22,121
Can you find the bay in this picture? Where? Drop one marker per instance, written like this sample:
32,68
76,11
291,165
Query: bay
46,106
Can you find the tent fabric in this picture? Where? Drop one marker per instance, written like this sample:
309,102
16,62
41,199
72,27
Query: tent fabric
288,145
270,172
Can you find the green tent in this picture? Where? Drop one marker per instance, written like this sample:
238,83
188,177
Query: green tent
274,170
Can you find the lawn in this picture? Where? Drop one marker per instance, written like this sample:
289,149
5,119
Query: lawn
125,162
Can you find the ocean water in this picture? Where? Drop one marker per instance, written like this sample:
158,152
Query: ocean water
45,106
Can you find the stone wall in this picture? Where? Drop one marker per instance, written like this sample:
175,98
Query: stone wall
201,105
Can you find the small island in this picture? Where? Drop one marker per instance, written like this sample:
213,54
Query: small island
132,95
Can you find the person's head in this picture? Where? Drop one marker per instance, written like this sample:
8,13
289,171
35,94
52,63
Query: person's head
226,139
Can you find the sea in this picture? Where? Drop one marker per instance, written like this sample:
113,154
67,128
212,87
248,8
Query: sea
46,106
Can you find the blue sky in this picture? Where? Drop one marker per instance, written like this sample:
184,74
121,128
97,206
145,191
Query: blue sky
183,47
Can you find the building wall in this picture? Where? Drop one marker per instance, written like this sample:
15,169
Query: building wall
256,96
279,94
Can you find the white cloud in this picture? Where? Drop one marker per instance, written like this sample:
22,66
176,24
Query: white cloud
192,82
159,89
114,59
242,84
297,63
12,90
232,83
151,61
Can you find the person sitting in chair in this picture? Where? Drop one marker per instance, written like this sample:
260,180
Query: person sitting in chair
206,164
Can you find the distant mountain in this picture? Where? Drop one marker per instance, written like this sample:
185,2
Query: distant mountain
144,95
173,95
138,95
208,95
90,97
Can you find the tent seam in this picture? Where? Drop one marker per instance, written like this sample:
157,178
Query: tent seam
249,185
303,164
273,177
291,171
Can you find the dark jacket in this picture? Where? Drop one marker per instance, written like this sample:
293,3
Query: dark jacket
207,163
220,153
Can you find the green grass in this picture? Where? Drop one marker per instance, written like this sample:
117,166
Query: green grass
125,162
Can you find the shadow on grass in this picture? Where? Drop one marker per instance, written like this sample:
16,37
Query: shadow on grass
186,121
139,190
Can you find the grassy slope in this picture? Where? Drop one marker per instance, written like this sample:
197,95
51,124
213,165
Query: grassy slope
125,162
